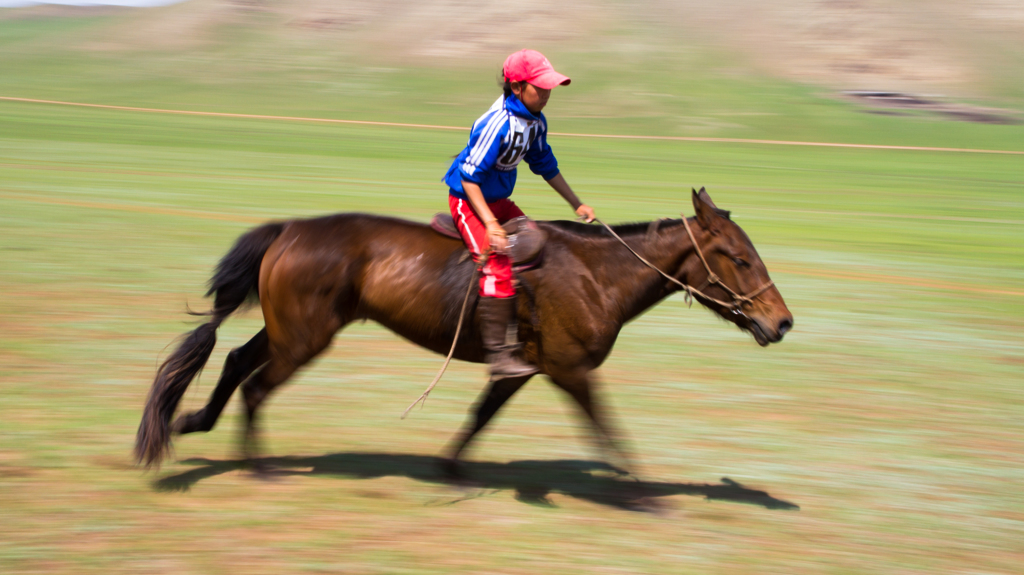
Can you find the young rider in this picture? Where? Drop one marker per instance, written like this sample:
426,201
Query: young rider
481,179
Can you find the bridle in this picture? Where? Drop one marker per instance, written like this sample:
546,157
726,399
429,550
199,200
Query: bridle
735,306
738,300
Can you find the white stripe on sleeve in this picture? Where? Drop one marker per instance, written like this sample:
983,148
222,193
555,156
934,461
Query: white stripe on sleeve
479,152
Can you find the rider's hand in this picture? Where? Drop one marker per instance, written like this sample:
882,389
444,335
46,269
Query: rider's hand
586,212
496,236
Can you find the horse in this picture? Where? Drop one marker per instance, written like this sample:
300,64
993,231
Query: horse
312,277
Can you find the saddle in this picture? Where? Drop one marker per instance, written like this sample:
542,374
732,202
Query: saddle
525,239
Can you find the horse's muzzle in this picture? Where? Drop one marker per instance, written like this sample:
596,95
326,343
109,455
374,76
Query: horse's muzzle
764,337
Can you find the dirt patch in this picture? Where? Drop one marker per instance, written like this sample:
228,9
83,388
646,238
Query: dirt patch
401,29
890,102
490,28
59,11
191,24
859,43
114,462
863,44
12,472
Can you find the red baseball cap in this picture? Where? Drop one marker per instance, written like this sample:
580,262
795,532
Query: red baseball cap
531,66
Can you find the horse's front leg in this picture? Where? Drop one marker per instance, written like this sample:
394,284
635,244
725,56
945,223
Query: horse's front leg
633,494
577,383
497,393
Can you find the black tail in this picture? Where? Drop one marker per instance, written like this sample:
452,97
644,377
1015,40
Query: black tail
235,281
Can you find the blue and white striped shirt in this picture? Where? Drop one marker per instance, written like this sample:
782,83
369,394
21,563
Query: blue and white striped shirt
505,135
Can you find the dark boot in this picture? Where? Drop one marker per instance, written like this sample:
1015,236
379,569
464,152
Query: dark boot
495,317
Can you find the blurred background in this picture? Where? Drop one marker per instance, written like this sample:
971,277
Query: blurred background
884,435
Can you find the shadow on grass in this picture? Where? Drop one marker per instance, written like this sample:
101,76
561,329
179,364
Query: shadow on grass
532,481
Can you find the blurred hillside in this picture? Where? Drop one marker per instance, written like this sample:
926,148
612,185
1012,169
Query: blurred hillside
734,68
970,48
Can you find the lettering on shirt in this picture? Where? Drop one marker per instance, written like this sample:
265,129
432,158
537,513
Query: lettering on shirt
520,137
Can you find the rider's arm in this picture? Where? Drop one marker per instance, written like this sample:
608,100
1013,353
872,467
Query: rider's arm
495,233
563,189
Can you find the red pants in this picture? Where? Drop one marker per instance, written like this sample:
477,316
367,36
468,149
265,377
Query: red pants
496,280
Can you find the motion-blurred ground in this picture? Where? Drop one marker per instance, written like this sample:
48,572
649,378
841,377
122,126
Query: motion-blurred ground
883,436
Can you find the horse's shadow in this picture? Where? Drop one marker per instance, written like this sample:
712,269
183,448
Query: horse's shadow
532,481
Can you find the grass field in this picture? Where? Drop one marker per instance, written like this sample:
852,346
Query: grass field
884,435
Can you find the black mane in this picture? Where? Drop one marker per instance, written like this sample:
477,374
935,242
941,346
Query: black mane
629,229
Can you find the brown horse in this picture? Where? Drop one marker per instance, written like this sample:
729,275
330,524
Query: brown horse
312,277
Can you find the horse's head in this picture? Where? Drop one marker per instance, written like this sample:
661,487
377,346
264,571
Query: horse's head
745,294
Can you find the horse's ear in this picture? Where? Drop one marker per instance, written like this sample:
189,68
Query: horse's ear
704,196
708,213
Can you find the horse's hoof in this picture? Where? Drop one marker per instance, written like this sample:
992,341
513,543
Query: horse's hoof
650,505
260,469
450,469
452,472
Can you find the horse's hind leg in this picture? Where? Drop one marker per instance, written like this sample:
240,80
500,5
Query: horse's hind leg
255,391
239,365
286,354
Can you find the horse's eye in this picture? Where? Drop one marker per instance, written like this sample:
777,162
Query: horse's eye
741,262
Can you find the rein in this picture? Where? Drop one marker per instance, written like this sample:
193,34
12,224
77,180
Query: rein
738,300
455,340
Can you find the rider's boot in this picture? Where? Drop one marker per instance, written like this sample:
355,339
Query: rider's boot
495,326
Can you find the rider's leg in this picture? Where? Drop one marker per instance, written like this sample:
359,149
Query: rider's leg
505,210
496,315
497,303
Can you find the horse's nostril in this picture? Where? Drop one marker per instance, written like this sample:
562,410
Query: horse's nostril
784,326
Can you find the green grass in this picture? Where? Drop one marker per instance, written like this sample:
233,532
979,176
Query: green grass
890,415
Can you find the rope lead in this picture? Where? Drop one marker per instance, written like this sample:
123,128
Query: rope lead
462,314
